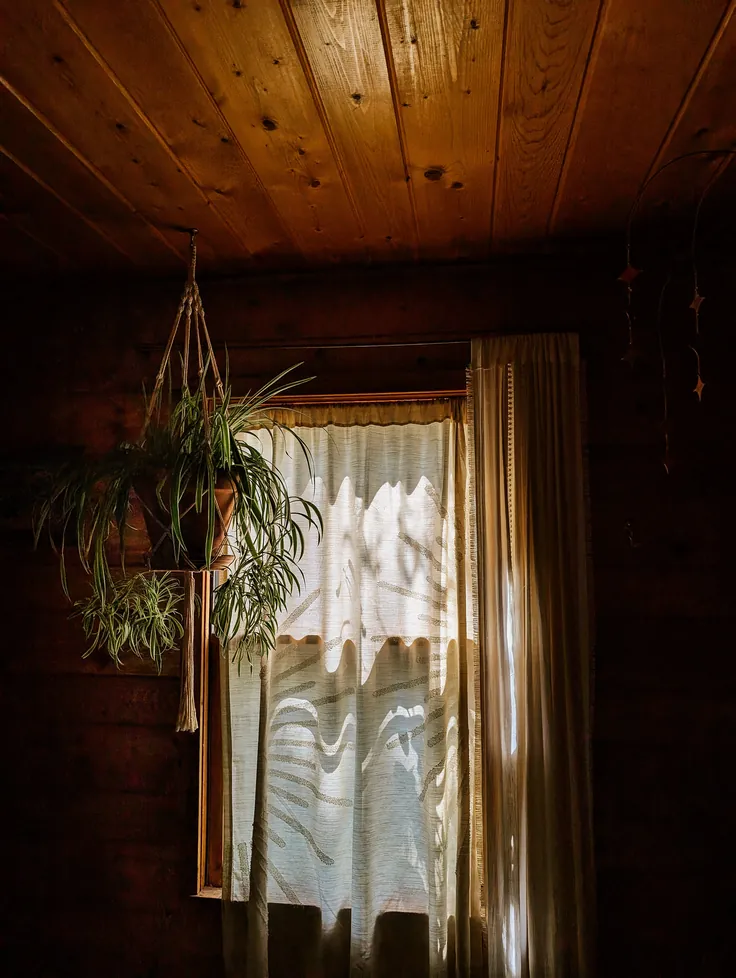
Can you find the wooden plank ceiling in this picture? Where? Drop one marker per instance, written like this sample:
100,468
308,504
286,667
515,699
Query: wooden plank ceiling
294,133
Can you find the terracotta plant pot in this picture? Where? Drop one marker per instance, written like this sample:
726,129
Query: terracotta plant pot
193,527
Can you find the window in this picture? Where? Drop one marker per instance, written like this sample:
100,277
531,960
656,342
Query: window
368,811
370,758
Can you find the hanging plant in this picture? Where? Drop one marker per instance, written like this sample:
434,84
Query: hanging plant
201,484
142,615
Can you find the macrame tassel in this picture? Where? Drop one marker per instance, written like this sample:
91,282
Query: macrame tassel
187,719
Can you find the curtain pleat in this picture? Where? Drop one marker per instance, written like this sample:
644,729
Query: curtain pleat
534,637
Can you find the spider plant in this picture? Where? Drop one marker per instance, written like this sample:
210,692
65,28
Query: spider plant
248,603
139,614
210,448
187,453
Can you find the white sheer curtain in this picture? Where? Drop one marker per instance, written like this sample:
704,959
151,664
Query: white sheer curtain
534,635
351,750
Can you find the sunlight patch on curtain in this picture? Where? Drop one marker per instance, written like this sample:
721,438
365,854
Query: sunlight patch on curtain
371,713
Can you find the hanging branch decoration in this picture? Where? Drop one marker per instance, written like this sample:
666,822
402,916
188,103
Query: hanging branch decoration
695,305
630,273
628,276
663,362
698,299
698,389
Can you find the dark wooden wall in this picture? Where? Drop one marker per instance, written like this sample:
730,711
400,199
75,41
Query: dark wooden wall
100,793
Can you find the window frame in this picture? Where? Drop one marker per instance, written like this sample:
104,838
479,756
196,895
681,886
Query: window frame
210,810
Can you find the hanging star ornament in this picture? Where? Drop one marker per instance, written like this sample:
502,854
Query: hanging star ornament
629,274
698,389
697,302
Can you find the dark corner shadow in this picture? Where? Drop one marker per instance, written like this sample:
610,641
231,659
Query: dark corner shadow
299,947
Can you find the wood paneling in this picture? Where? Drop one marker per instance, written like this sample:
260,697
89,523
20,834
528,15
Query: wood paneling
547,50
32,140
447,60
400,305
705,120
183,112
249,62
67,81
628,106
297,133
33,207
344,44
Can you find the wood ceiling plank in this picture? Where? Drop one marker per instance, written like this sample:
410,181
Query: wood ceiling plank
547,47
344,45
447,58
149,60
645,55
707,115
20,253
705,120
30,139
34,209
45,59
248,60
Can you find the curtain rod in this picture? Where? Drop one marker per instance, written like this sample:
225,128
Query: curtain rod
316,345
381,397
360,346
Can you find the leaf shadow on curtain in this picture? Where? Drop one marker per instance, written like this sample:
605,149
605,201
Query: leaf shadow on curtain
328,745
367,754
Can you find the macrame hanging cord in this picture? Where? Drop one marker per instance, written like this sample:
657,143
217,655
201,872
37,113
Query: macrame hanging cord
196,340
186,721
196,335
192,312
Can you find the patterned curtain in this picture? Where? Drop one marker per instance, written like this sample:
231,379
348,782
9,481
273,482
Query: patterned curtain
352,795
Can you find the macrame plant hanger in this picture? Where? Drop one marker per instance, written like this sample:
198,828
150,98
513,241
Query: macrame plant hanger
196,335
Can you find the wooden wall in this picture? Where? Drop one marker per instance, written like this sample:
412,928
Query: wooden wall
101,794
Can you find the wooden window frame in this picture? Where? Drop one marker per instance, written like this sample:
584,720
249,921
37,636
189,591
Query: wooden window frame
210,821
210,815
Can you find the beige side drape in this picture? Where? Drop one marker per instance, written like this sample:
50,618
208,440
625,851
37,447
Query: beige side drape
534,637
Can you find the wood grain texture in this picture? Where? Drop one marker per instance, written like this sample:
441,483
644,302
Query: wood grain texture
364,131
171,96
628,106
32,140
32,206
705,120
547,47
343,42
45,59
447,60
249,62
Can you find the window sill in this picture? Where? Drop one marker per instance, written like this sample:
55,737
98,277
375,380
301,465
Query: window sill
209,893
